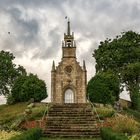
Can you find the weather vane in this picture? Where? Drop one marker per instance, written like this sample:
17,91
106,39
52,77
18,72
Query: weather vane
67,18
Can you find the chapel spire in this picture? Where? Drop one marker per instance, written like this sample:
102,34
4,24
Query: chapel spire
68,28
84,65
68,37
53,66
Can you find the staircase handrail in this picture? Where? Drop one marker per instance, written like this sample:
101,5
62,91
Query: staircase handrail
93,106
46,110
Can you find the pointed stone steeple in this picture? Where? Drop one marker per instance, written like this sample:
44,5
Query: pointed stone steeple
68,28
84,65
68,37
53,66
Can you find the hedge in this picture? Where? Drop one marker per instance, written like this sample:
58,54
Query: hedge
30,134
108,134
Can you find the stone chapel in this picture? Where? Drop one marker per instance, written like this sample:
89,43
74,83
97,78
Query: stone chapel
68,79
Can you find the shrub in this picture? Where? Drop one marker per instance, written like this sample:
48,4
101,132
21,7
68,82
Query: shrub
37,112
16,122
4,135
30,134
27,87
135,113
108,134
105,112
135,98
125,124
134,137
103,88
10,99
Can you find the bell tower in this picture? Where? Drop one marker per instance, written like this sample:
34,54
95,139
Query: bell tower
69,45
68,79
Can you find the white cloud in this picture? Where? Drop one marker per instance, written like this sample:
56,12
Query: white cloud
37,29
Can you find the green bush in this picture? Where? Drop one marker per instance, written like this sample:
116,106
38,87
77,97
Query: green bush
103,88
135,98
31,134
125,124
105,112
27,87
108,134
10,100
135,113
135,137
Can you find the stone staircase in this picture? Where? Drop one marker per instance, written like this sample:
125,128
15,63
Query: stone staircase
71,120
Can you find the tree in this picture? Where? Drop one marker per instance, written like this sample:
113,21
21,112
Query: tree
27,87
116,53
131,76
8,72
121,55
103,88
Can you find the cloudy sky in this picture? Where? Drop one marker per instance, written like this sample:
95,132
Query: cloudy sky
37,26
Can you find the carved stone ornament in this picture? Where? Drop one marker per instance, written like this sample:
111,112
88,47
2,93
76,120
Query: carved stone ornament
68,69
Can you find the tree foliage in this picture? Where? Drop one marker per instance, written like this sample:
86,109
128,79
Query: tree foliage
8,72
103,88
131,76
27,87
116,53
122,55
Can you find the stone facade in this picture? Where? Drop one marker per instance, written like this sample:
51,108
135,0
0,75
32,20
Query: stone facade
68,79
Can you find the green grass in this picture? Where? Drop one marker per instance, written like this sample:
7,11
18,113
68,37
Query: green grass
135,113
104,112
10,112
37,111
12,115
70,138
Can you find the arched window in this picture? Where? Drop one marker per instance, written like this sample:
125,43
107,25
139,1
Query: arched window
69,96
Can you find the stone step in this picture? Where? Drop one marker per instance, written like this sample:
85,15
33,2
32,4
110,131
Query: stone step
69,107
56,135
71,119
71,130
72,126
73,133
69,110
57,105
71,122
70,114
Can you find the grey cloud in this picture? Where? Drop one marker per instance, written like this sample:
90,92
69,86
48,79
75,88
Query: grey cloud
23,33
92,19
28,29
50,51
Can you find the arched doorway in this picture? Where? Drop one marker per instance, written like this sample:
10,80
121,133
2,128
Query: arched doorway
69,96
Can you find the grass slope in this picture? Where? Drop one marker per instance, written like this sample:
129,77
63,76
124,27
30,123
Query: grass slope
12,113
9,114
